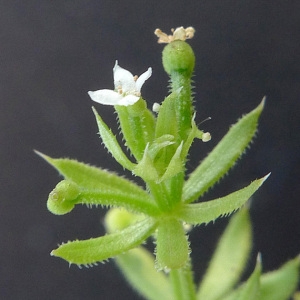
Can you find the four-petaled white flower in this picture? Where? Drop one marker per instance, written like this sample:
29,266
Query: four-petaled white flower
127,88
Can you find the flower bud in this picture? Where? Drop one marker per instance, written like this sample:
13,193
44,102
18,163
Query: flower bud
178,56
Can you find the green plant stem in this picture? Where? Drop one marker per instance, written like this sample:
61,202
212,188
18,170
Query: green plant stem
182,283
161,195
183,103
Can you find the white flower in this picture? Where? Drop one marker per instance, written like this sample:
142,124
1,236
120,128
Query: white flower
127,88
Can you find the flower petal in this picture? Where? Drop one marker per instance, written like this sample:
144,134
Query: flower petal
141,80
123,79
128,100
179,34
106,97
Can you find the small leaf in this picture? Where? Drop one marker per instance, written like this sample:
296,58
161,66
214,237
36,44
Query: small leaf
172,247
90,177
133,202
166,119
137,265
282,283
89,252
205,212
249,290
175,166
223,156
100,187
229,259
145,168
112,144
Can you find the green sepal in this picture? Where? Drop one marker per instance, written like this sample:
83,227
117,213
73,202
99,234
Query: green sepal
223,156
89,252
172,246
229,259
137,125
205,212
101,187
282,283
63,197
249,290
111,143
137,265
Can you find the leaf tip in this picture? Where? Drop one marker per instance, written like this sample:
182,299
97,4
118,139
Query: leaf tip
43,156
263,179
262,103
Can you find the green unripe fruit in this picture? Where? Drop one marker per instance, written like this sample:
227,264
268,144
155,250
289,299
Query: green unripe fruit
117,219
178,56
63,198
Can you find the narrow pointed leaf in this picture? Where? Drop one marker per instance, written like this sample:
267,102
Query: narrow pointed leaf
112,144
116,198
101,187
137,265
166,119
223,156
282,283
172,247
90,177
145,168
175,166
249,290
229,259
89,252
205,212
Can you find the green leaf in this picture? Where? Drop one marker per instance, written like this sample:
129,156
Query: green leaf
90,177
280,284
101,187
137,265
229,259
119,198
172,247
223,156
89,252
250,290
145,168
205,212
175,166
112,144
166,120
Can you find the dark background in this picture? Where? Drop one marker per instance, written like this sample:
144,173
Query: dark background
53,52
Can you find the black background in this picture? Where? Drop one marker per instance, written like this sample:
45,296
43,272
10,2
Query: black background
53,52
